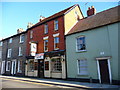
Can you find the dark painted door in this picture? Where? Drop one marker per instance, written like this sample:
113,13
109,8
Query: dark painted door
41,68
104,72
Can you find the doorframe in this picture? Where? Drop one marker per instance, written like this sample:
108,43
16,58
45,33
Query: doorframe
3,67
109,69
12,71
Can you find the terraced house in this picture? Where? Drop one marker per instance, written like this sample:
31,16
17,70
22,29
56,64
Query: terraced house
92,48
46,44
13,54
0,55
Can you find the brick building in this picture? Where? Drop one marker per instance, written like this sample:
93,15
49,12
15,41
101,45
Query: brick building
13,54
46,44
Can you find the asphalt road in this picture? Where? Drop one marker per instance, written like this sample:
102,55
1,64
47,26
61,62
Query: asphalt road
10,84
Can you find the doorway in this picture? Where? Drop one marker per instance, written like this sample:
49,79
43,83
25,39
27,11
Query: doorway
13,68
104,71
3,67
41,68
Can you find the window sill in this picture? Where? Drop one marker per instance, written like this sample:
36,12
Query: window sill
55,29
7,70
56,71
21,42
19,72
81,51
82,74
56,49
20,55
46,51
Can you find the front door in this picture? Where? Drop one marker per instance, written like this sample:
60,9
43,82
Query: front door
104,71
40,68
3,67
13,69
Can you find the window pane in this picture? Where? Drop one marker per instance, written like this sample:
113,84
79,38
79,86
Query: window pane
46,65
46,29
82,67
81,43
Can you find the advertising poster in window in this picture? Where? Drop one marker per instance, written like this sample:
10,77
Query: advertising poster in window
33,49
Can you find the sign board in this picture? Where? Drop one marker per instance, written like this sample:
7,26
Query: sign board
33,49
39,56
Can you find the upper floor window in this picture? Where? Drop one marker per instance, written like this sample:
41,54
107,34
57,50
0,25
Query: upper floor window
45,28
31,34
1,43
56,24
10,40
82,67
22,38
46,45
81,43
56,43
9,53
20,51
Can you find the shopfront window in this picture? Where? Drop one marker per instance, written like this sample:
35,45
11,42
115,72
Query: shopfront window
56,65
31,65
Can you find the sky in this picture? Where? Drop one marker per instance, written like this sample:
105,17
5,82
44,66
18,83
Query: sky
17,14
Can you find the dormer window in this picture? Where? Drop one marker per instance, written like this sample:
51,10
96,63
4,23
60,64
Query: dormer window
56,25
45,28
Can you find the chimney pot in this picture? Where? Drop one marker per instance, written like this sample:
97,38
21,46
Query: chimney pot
91,11
20,30
41,18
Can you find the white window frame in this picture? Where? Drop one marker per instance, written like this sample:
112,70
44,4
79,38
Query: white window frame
31,34
0,53
21,38
55,24
55,64
9,53
19,71
10,40
77,44
44,46
80,71
1,43
7,66
20,51
58,42
45,28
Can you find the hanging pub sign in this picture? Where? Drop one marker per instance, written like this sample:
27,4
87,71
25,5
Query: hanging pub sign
39,56
33,49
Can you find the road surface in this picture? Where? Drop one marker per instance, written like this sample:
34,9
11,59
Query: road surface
11,84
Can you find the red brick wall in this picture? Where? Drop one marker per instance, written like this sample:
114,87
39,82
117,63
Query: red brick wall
38,34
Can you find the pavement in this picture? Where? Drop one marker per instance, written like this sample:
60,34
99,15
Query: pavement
65,83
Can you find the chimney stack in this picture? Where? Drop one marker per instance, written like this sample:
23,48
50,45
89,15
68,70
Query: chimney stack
91,11
20,30
29,25
41,18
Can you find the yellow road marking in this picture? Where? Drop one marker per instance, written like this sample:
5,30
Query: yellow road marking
28,82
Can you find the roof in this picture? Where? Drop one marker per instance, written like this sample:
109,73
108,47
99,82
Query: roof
55,16
100,19
14,35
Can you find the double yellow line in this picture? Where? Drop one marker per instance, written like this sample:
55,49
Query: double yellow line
35,83
26,81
